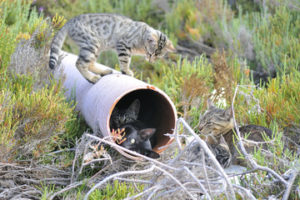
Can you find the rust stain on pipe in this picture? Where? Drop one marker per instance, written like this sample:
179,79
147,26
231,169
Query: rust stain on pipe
96,102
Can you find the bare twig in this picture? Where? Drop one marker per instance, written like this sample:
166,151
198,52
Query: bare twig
243,150
210,154
293,176
117,175
198,182
69,187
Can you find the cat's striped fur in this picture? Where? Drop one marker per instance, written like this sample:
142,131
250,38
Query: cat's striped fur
214,123
94,33
216,127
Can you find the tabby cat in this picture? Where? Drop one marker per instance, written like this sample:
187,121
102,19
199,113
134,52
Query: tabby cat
214,123
251,132
94,33
137,138
120,117
221,151
217,123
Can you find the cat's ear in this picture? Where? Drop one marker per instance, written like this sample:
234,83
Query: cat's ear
224,144
115,111
152,154
228,112
210,104
134,108
223,141
146,133
169,46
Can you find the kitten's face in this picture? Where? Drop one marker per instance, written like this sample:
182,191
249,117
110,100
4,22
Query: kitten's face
222,153
216,121
139,140
125,116
157,45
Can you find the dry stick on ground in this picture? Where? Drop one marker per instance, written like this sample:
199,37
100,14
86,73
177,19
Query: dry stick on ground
132,173
252,162
69,187
205,172
202,144
153,161
198,182
116,175
22,181
211,156
246,191
290,184
167,173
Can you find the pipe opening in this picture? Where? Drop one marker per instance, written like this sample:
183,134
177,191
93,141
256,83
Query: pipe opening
155,111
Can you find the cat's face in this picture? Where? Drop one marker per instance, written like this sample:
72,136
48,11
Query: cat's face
125,116
157,45
216,121
222,153
139,140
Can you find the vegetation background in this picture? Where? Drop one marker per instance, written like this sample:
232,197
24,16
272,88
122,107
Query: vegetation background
220,44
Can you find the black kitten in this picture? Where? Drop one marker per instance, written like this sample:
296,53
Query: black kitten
120,117
138,138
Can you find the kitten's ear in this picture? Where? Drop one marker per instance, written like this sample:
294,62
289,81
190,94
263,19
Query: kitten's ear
228,112
223,143
146,133
152,154
170,47
210,104
134,108
222,140
115,111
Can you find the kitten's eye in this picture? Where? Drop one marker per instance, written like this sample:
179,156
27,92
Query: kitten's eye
132,141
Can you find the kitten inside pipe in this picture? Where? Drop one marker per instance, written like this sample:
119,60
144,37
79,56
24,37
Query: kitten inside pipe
136,134
137,138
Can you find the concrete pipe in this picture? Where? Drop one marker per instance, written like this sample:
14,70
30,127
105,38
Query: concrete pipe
97,101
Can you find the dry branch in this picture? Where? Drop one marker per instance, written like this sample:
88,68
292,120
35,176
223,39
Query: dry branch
176,175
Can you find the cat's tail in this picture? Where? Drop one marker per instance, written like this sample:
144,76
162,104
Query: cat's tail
56,45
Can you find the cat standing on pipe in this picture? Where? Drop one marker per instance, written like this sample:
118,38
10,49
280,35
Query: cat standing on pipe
94,33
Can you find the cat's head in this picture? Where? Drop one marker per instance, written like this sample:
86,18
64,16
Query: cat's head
216,121
139,140
125,116
157,45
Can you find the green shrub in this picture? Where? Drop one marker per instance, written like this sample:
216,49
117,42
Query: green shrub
276,39
116,191
138,10
33,114
198,20
279,102
33,122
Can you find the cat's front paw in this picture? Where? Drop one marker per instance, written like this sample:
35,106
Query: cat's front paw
106,72
128,72
94,79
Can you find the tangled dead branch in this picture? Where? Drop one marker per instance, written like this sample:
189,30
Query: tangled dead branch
287,183
187,169
21,181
